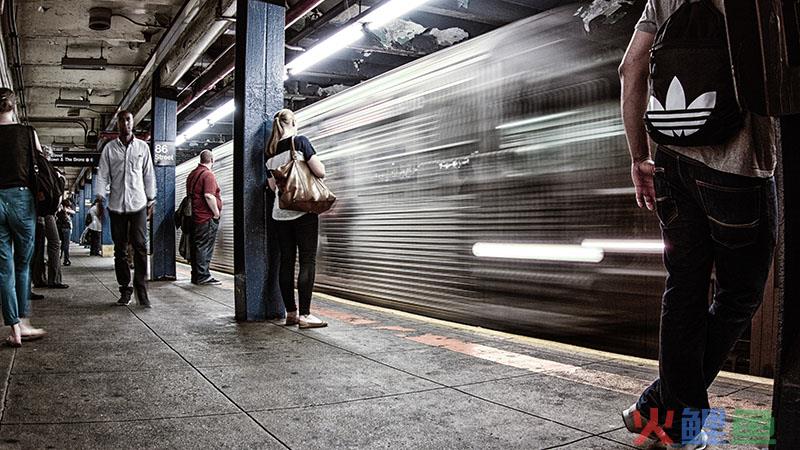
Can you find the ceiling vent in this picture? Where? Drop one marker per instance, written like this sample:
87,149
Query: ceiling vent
100,19
67,103
83,63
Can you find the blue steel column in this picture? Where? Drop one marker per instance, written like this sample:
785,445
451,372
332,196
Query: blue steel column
786,392
259,94
162,227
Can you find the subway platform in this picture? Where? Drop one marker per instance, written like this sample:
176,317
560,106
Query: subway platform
184,374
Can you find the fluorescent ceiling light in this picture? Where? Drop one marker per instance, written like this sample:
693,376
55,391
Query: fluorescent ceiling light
625,245
351,33
326,48
389,11
543,252
207,121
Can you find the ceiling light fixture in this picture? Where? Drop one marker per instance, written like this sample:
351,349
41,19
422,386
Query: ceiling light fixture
376,17
208,121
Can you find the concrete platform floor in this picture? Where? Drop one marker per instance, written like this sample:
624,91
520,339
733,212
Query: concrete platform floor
186,375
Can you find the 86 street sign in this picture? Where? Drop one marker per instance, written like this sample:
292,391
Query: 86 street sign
164,153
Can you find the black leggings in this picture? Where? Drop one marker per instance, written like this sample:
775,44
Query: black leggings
301,235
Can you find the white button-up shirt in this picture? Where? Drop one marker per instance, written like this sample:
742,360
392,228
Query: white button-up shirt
126,176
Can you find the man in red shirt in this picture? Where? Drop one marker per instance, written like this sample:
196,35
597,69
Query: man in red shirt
202,187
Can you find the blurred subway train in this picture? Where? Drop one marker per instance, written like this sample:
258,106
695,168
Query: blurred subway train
489,184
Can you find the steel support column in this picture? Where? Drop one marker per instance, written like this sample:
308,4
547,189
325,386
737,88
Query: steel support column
164,126
786,392
259,94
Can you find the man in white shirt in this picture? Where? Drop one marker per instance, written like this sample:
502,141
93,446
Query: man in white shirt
126,173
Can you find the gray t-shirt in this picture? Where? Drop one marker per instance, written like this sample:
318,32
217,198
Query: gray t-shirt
750,152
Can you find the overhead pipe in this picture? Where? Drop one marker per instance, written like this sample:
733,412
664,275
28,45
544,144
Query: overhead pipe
80,122
165,49
16,74
225,63
216,71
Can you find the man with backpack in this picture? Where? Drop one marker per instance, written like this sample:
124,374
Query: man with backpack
127,175
712,187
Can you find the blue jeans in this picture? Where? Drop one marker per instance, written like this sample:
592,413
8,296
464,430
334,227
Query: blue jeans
17,230
709,219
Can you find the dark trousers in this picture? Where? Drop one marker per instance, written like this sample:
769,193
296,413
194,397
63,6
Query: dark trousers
202,248
38,268
298,235
53,250
95,242
66,233
130,228
709,219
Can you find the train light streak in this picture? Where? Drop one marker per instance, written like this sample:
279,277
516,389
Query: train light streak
625,245
543,252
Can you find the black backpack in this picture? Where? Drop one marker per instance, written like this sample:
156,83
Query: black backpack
692,97
45,183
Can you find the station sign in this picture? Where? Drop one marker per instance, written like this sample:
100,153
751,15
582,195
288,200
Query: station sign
164,153
75,159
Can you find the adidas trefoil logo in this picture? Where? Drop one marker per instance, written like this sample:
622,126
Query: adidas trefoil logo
676,119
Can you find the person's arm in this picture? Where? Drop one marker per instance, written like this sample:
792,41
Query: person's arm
633,73
149,175
313,161
211,199
37,143
316,166
102,175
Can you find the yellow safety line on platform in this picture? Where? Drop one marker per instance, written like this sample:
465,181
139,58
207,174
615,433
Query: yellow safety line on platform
568,348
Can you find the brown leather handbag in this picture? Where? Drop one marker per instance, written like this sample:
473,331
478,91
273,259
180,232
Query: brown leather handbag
299,189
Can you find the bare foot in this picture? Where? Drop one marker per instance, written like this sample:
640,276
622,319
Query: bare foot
15,338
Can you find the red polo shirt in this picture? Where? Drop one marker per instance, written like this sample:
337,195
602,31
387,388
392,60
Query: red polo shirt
203,181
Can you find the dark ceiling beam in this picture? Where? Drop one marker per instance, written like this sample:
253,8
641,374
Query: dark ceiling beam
294,38
461,14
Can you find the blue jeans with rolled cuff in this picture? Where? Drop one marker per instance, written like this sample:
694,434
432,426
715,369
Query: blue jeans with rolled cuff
17,231
709,220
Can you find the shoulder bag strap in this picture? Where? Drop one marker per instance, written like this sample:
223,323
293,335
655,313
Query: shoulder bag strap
194,185
33,168
293,150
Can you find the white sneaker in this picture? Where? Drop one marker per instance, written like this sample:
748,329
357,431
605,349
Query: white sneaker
309,321
28,332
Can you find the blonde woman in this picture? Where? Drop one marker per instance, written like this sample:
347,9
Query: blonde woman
298,231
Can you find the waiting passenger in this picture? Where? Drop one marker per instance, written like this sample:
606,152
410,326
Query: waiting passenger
715,200
126,173
64,222
95,228
297,231
17,222
202,187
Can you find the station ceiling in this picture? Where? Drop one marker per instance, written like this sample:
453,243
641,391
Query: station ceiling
69,89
